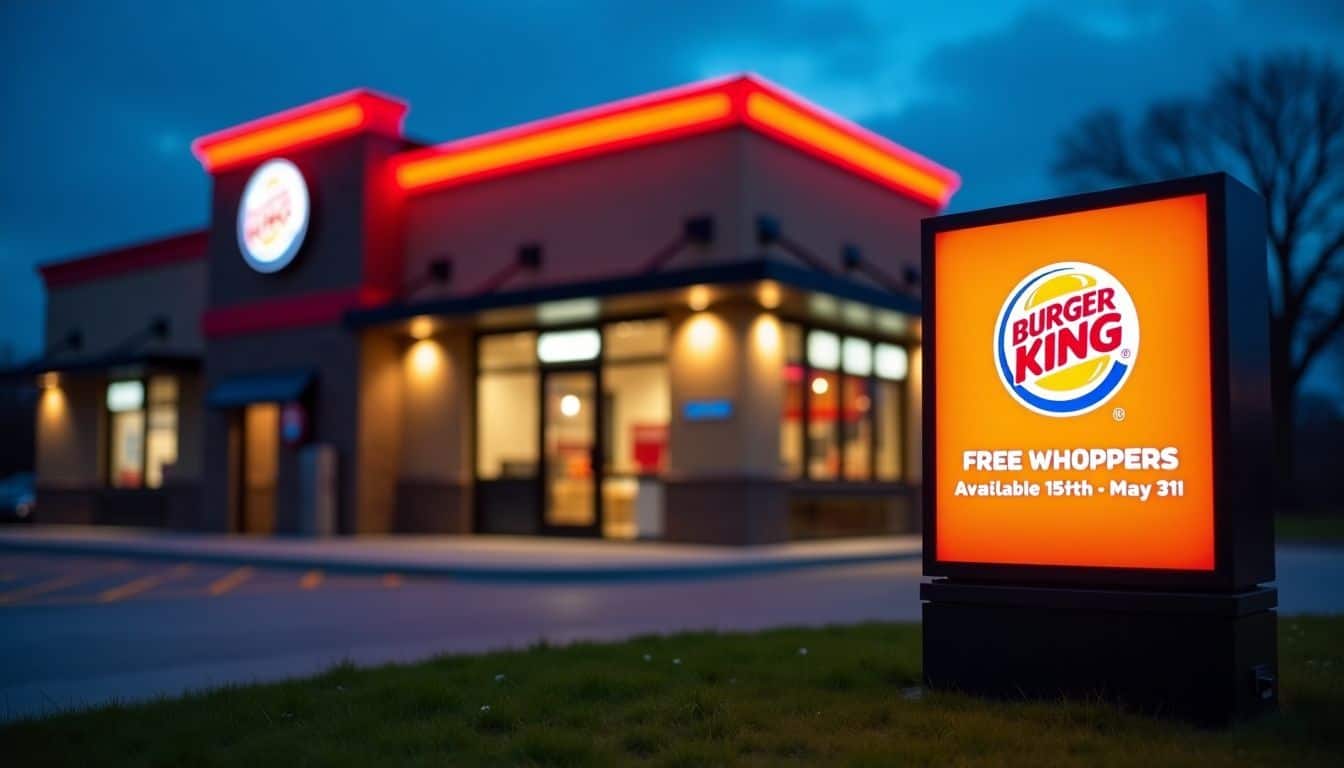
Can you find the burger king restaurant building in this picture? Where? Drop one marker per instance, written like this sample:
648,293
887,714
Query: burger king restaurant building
688,316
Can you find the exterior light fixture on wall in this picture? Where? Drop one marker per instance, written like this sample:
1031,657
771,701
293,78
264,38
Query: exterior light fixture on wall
569,346
421,327
530,255
698,298
698,230
769,294
49,380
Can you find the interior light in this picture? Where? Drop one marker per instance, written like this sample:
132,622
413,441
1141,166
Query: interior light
892,362
569,346
857,357
422,327
820,385
823,350
125,396
570,405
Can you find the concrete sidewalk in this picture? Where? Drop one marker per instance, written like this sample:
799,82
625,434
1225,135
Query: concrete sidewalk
491,558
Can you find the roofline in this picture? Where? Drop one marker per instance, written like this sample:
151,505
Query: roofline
162,252
742,101
361,110
736,272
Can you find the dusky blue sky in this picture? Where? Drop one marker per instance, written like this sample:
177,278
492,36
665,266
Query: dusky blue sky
103,98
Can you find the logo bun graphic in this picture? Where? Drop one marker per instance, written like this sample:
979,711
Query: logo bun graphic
1066,339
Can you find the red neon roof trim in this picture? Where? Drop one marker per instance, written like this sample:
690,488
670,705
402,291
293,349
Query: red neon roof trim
98,266
745,101
334,117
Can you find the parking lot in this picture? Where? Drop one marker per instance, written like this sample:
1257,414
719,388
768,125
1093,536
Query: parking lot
41,580
87,630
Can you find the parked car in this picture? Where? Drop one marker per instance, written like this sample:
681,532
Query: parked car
17,499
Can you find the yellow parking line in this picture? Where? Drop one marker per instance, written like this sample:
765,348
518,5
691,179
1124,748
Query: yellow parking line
311,580
42,588
231,581
142,584
391,580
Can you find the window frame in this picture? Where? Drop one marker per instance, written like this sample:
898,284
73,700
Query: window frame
109,446
805,327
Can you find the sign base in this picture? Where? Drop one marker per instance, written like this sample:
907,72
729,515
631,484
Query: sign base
1208,658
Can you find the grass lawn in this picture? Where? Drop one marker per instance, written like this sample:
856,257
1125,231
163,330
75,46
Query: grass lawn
693,699
1325,529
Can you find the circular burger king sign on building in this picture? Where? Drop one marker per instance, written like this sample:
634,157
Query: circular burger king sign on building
1066,339
273,216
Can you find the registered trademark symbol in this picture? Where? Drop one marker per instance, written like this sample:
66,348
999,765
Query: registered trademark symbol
1125,353
1118,414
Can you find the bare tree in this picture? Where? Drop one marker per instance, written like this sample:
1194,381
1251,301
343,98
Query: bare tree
1277,123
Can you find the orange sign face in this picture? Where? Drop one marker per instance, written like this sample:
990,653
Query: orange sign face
1074,422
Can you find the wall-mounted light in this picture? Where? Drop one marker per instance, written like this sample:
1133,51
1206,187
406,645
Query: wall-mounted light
698,298
49,380
769,295
702,332
426,357
421,327
820,386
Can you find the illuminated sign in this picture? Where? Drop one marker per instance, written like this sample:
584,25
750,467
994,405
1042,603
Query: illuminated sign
1066,339
125,396
273,216
1076,383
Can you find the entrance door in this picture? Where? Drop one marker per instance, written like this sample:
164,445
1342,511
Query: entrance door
571,457
259,467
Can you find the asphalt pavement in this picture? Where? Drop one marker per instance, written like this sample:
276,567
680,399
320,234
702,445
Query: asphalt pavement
86,630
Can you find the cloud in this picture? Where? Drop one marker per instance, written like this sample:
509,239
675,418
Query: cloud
996,103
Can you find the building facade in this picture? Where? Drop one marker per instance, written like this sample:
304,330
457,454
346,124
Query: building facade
688,316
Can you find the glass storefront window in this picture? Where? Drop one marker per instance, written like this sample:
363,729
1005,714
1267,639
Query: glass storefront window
823,398
858,427
142,438
842,407
887,403
791,420
638,408
161,440
507,424
127,446
507,350
635,340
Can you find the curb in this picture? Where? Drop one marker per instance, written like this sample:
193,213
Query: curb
479,573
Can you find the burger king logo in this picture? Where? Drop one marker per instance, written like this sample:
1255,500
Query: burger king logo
1066,339
273,216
